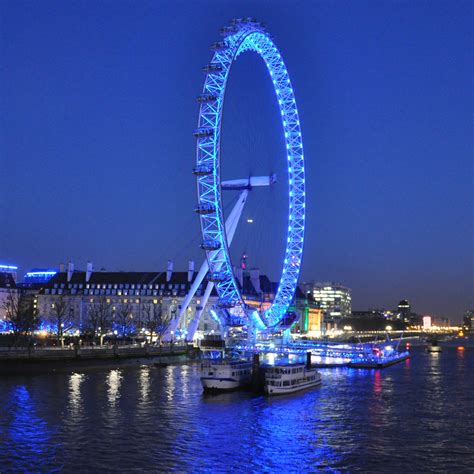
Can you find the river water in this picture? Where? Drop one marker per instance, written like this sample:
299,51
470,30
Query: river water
415,416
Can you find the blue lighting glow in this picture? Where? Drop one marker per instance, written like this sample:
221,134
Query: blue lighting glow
8,268
5,326
33,274
39,275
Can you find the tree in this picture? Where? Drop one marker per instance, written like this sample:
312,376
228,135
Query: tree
21,314
124,319
99,317
155,320
61,318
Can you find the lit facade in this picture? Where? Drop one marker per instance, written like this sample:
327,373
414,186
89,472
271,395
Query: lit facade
135,292
468,320
315,322
334,300
404,311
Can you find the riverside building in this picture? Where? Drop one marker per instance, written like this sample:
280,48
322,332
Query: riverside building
334,300
136,294
128,296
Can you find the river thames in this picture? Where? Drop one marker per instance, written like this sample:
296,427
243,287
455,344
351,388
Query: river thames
415,416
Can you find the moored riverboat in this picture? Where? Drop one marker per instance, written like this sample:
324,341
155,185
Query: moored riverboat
378,358
225,374
290,378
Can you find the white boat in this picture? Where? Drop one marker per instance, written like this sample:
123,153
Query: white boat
290,378
225,374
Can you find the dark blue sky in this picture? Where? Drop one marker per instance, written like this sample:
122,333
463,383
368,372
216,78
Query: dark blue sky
98,108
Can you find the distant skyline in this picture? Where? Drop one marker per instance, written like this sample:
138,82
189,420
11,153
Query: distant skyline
96,143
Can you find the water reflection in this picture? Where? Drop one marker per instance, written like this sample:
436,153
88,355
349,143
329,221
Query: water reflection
28,433
148,418
144,384
114,380
170,383
75,398
377,383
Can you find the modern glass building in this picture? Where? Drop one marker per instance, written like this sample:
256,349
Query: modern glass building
334,300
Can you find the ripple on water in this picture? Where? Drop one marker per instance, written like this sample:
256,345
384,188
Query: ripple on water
414,416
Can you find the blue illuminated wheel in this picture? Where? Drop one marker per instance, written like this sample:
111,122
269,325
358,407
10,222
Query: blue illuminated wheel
240,36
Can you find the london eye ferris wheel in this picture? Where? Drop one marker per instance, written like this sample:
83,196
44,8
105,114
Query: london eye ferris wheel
242,35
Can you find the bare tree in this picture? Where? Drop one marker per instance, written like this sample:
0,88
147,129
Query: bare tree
61,318
99,317
21,314
156,321
124,319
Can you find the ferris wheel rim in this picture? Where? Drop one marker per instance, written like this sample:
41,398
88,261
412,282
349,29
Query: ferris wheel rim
243,35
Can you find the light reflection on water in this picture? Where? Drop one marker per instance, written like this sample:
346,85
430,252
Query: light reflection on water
75,398
114,379
144,383
157,418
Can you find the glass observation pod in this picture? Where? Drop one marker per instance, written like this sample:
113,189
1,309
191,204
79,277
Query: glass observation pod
226,303
203,132
206,98
228,30
205,208
202,170
217,276
218,46
210,245
212,67
248,20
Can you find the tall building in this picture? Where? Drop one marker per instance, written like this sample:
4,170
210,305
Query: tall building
468,320
404,311
334,300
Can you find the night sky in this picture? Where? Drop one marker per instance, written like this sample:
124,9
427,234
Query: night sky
98,108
